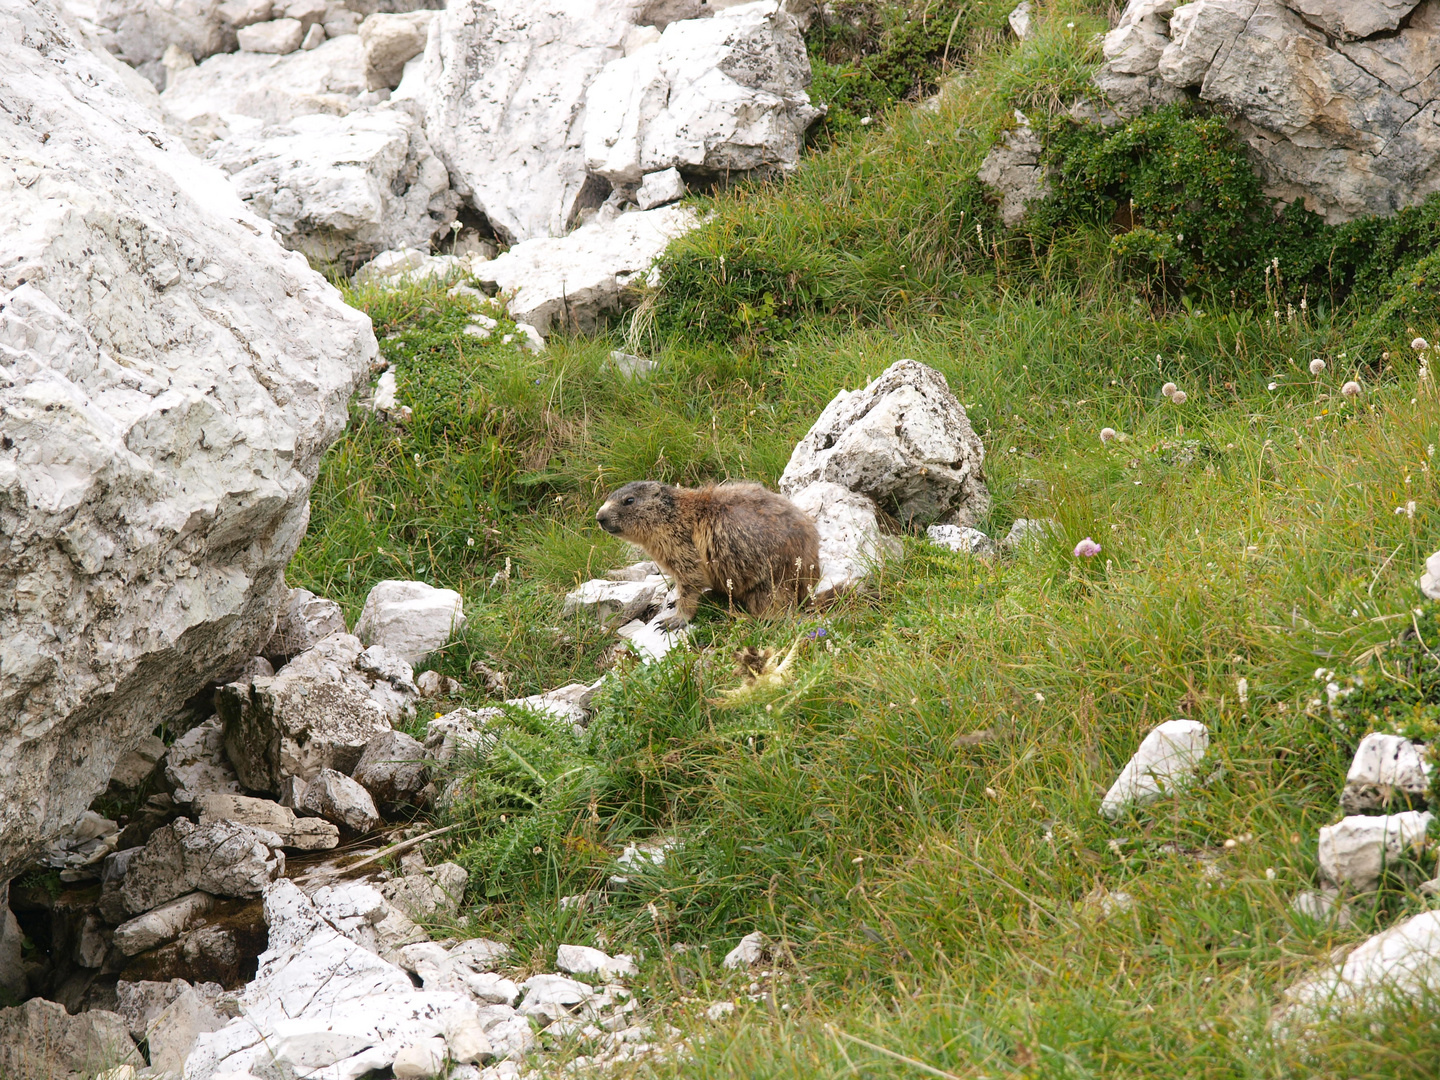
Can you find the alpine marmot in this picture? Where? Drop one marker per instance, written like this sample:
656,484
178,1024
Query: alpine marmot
755,547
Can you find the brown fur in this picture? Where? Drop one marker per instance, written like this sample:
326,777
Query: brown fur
756,548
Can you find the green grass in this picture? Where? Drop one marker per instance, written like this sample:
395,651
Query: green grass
913,819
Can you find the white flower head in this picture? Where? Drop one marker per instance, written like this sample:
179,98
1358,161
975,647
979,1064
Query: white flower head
1317,366
1169,389
1108,434
1419,344
1272,386
1351,389
1179,397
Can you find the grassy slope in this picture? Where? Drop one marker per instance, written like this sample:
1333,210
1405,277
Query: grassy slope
927,889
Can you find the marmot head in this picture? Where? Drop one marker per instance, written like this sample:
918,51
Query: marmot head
635,510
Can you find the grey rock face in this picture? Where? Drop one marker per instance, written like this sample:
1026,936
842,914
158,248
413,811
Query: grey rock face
343,186
1013,168
221,858
434,894
394,769
904,442
390,42
40,1039
318,712
163,310
304,621
136,766
335,797
1337,105
852,544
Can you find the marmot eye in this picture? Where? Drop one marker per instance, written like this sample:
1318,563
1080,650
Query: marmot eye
630,501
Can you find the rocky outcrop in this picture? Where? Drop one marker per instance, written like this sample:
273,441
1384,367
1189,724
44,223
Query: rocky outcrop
904,442
712,98
573,282
1013,168
1337,101
304,621
343,187
222,858
1166,758
169,377
504,84
852,543
317,713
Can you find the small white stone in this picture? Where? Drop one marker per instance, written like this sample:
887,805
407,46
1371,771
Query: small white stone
1384,765
1169,755
659,188
752,949
583,960
719,1010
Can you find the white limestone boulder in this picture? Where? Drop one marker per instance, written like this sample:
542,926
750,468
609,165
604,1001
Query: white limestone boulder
305,620
295,833
1352,19
139,31
1166,758
317,713
341,187
239,93
574,282
410,618
549,998
141,303
1358,850
504,85
1398,963
1385,766
390,41
904,442
650,640
162,924
659,188
222,858
715,97
752,949
320,1000
459,732
852,543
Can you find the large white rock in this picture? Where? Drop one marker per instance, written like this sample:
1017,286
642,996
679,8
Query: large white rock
504,91
239,93
1401,962
1384,766
300,833
904,441
583,960
304,620
1338,106
572,282
410,618
1014,169
1168,756
40,1039
321,1001
162,924
196,763
139,31
275,36
317,713
169,377
852,544
337,187
337,798
713,97
1357,850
